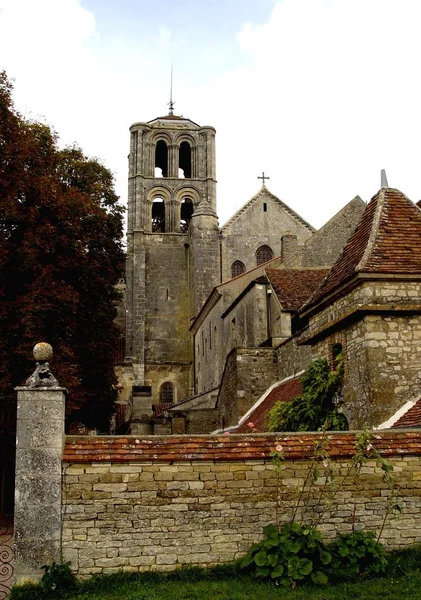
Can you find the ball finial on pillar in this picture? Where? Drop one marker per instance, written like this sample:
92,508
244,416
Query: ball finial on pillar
43,352
42,376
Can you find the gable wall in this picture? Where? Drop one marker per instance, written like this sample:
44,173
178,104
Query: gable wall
253,228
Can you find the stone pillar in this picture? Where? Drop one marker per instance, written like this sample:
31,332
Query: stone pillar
39,448
141,418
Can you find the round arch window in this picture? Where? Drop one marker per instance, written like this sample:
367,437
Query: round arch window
263,254
166,393
237,268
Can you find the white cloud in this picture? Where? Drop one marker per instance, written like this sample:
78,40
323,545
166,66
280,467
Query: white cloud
164,35
324,94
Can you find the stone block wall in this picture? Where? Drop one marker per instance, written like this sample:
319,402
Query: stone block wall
248,373
156,503
292,358
381,338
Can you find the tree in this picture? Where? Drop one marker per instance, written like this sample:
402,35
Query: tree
317,406
60,258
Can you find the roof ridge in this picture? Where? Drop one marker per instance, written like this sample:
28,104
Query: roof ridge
373,232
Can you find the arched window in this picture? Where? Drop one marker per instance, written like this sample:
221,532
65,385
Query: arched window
237,268
184,159
186,212
263,254
158,215
166,393
161,158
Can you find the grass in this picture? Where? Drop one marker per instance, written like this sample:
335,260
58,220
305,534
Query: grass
224,583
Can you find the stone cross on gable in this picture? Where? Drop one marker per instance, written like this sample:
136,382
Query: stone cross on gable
263,177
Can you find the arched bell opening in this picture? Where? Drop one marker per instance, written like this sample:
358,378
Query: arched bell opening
184,160
161,159
158,215
186,212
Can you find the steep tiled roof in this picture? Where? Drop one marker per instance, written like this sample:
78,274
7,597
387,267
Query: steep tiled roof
294,286
387,240
412,418
281,393
123,449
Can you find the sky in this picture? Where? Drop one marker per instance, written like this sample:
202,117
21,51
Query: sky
319,94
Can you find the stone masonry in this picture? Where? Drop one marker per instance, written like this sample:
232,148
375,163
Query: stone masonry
156,503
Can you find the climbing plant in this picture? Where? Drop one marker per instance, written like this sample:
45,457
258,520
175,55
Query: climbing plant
317,406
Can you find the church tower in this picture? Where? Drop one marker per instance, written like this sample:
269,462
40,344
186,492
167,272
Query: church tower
171,174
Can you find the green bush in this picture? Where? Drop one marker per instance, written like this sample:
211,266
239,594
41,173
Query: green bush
290,555
357,553
57,581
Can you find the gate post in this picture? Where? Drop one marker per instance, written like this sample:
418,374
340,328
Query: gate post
39,448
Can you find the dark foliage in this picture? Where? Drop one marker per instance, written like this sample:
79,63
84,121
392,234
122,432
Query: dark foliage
60,258
317,407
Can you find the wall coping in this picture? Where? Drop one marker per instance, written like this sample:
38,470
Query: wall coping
234,447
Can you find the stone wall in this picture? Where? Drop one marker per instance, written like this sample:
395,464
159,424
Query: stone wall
325,246
379,326
292,358
248,374
157,503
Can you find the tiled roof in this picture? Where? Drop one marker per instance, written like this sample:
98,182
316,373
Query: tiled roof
294,286
387,240
159,409
281,393
412,418
86,449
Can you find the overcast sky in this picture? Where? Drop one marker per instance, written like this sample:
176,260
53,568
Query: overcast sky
320,94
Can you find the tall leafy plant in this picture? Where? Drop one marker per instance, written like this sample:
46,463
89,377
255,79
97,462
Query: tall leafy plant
317,406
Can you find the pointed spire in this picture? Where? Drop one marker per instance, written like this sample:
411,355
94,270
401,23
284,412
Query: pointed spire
383,179
171,103
204,208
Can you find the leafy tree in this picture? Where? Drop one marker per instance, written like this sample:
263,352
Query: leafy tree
60,258
317,406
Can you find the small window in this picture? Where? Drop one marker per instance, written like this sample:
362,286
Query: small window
335,354
167,392
265,207
237,268
263,254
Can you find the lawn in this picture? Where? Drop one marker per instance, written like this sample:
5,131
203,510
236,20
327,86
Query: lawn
227,585
245,588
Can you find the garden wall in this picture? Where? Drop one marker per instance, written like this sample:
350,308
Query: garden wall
155,503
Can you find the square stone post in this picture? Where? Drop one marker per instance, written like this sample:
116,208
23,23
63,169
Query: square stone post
39,449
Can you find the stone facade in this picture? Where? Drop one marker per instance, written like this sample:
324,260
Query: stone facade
378,324
260,222
136,513
176,255
248,373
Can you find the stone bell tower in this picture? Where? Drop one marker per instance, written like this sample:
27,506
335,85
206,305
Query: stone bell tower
171,172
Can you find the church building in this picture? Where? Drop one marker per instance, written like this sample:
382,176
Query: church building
222,321
177,254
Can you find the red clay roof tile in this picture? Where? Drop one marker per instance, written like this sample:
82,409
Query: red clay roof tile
412,417
124,449
387,240
294,286
281,393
